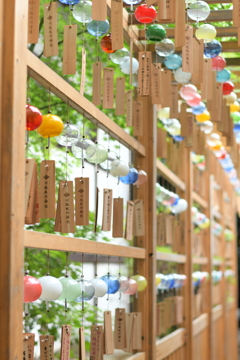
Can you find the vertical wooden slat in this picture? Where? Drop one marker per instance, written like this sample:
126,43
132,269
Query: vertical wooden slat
13,19
147,192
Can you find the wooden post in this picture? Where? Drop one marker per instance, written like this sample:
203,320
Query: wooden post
188,232
147,267
13,47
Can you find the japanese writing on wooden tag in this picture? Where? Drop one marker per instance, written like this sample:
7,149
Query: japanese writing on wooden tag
144,73
198,50
65,342
50,30
189,133
117,24
117,230
99,10
82,353
69,49
83,73
174,105
82,201
66,206
28,346
96,345
47,189
108,333
108,95
137,331
57,225
187,50
120,329
137,118
33,21
155,83
107,210
32,213
46,347
129,221
120,96
29,166
179,22
129,108
97,84
139,219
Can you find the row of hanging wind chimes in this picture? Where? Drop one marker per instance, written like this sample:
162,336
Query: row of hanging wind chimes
127,336
40,203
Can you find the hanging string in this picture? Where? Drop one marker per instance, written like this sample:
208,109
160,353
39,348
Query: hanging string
26,262
66,275
48,259
96,266
108,160
26,312
119,275
82,276
28,102
49,112
108,277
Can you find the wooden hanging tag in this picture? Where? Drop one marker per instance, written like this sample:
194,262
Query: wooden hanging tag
165,88
166,10
162,318
120,96
155,83
179,23
198,50
33,21
29,166
96,345
216,103
117,230
31,208
28,346
46,347
50,29
174,105
182,119
36,206
66,206
47,189
139,219
108,333
99,10
137,331
117,24
69,49
176,237
161,233
65,342
97,84
83,73
207,84
96,210
57,225
161,143
120,329
82,353
187,50
144,72
129,332
82,201
108,95
168,228
129,108
107,210
129,221
131,56
137,118
189,133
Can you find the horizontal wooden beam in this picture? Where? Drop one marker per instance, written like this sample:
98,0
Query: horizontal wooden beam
170,343
215,16
200,324
199,200
217,312
221,32
38,240
137,356
48,78
200,260
169,175
227,46
176,258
